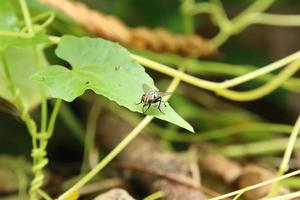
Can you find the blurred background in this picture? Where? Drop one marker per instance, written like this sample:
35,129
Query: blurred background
224,126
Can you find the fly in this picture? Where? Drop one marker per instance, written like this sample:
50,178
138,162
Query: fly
150,97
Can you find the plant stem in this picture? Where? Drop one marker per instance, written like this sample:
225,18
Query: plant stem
44,195
244,19
263,90
208,68
72,122
175,73
188,20
202,7
156,195
284,166
27,17
257,6
37,153
289,196
49,20
229,131
252,187
220,38
44,106
264,70
257,148
218,87
276,19
14,34
90,134
53,118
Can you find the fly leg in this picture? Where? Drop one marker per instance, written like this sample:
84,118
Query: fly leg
140,101
144,111
159,103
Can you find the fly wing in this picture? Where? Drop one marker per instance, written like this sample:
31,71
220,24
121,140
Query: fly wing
162,94
146,88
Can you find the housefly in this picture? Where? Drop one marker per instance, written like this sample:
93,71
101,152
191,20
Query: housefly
151,96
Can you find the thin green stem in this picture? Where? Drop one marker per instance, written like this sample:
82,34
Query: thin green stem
44,195
239,195
289,196
31,126
241,21
14,34
39,154
220,38
53,118
220,17
252,187
90,134
284,166
42,16
234,95
175,73
49,20
72,122
26,15
231,130
44,106
208,68
202,7
263,70
156,195
263,90
257,148
44,111
188,20
257,6
276,19
237,24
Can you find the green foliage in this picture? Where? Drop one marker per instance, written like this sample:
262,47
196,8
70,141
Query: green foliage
107,69
8,18
21,63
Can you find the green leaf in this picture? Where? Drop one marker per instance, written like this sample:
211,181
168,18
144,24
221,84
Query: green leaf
8,18
21,63
107,69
